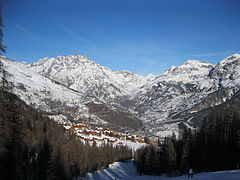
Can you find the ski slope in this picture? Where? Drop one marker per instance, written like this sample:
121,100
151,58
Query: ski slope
127,171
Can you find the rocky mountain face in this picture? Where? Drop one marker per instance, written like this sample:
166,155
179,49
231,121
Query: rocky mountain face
57,99
177,96
81,90
81,74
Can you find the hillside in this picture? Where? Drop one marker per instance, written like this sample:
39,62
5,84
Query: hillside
54,98
34,147
81,90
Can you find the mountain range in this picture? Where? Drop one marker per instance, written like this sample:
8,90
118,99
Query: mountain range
74,88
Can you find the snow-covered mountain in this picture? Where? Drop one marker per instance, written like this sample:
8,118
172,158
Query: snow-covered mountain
91,79
56,99
227,72
173,98
82,90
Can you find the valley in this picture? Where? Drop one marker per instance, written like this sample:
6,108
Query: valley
85,92
119,90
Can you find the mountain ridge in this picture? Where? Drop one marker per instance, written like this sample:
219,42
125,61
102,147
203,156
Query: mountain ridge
160,102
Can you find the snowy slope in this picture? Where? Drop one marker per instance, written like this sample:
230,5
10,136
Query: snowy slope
127,171
44,94
176,90
191,71
60,102
88,77
83,90
227,72
167,101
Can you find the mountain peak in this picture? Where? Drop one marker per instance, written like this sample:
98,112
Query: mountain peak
169,70
229,59
68,83
81,74
76,58
187,66
194,63
150,76
61,58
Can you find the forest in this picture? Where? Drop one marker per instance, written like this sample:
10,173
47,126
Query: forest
34,147
214,146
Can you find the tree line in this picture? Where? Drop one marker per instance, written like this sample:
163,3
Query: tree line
33,147
214,146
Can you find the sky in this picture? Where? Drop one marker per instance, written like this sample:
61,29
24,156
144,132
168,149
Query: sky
141,36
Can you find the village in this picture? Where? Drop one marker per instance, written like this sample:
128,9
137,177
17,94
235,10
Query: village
100,135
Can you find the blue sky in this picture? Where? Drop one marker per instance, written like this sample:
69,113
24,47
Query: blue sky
142,36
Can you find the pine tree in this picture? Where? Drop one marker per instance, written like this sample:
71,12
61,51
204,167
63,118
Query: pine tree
2,47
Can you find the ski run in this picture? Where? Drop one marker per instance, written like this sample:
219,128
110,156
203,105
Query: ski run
127,171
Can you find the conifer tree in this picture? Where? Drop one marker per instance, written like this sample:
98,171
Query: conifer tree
2,47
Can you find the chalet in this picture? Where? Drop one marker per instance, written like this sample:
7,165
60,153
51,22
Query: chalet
128,138
106,129
80,126
109,133
98,129
97,133
118,136
92,132
86,134
120,143
66,124
98,139
111,140
122,137
139,140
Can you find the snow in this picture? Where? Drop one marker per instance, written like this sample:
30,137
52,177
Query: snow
229,59
40,92
127,171
178,89
103,138
86,76
167,130
150,76
60,119
227,71
153,99
189,71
